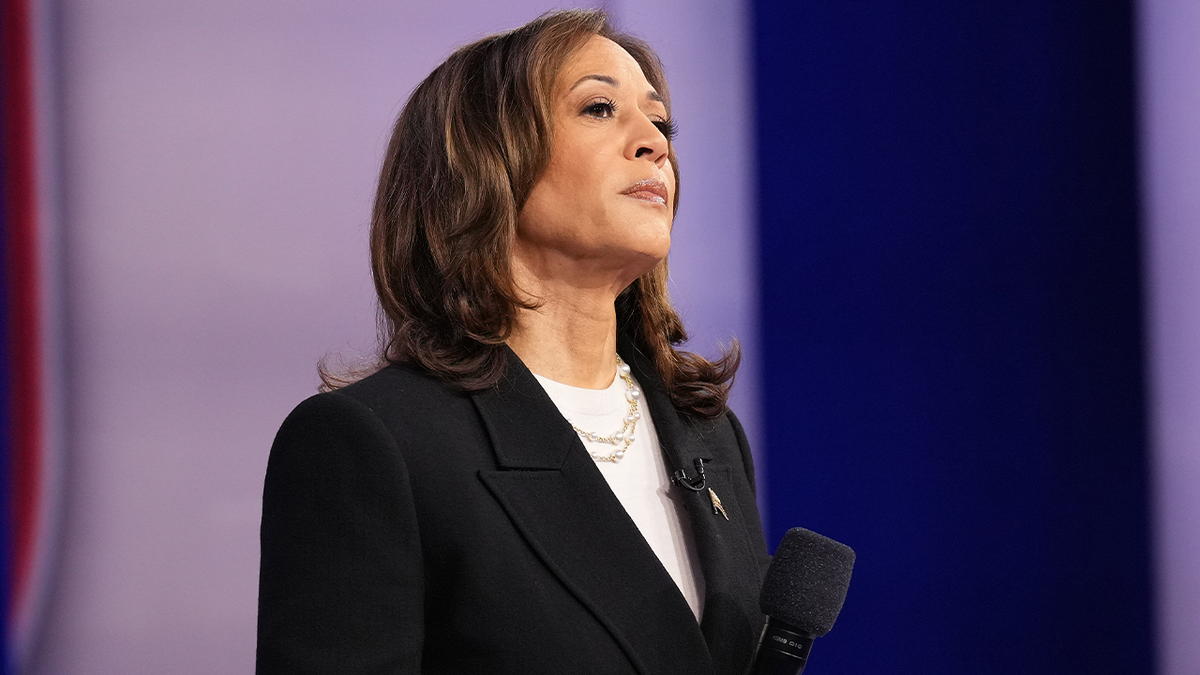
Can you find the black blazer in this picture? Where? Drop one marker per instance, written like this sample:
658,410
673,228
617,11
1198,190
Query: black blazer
410,529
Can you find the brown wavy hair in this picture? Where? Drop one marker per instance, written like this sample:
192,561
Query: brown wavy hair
467,149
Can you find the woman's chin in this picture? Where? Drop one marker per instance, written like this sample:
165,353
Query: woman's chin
650,245
650,237
647,257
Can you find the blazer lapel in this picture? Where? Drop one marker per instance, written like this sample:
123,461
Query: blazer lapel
562,505
732,620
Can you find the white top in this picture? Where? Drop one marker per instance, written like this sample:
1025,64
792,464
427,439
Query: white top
640,480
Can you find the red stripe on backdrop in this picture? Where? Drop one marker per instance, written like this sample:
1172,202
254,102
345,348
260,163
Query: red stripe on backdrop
24,318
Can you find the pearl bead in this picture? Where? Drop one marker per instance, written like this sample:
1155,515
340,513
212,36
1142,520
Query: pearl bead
623,369
633,394
630,439
630,419
618,437
637,415
619,454
595,454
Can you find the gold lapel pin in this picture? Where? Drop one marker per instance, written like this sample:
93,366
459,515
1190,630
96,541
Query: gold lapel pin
716,502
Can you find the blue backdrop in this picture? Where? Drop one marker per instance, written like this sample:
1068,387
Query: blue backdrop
951,319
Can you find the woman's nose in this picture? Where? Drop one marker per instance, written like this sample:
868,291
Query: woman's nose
650,143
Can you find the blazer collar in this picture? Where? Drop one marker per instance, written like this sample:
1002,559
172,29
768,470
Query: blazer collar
529,433
518,407
561,503
731,620
682,438
526,428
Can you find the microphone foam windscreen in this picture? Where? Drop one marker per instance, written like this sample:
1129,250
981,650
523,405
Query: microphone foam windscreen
807,581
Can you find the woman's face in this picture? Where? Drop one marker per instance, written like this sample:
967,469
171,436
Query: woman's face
604,202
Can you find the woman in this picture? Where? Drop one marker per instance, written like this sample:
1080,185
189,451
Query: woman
496,499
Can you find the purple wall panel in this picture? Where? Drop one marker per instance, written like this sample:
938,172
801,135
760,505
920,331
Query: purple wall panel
218,162
1170,90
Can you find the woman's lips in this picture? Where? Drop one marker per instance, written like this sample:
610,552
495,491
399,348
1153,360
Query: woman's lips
654,191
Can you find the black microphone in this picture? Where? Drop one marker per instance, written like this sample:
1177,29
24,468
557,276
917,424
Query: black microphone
801,596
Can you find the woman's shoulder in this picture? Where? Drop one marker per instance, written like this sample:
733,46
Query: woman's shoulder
397,400
399,385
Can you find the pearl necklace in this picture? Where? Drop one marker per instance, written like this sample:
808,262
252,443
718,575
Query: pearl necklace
624,437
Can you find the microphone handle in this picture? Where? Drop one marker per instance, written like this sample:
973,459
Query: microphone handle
782,650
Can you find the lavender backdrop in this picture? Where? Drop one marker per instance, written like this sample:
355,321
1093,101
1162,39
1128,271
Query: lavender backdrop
216,165
1170,92
218,161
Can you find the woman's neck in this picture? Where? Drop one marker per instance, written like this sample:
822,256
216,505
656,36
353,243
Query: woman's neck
571,336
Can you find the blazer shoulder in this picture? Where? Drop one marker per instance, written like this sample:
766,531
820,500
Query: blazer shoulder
371,411
403,397
326,428
396,382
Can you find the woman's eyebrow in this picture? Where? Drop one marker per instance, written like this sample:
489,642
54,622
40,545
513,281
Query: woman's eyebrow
599,78
652,95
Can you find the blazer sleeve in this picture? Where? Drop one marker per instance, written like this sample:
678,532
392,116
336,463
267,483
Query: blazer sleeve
744,448
341,575
755,530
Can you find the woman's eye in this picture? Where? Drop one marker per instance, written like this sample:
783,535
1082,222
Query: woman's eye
668,127
600,109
